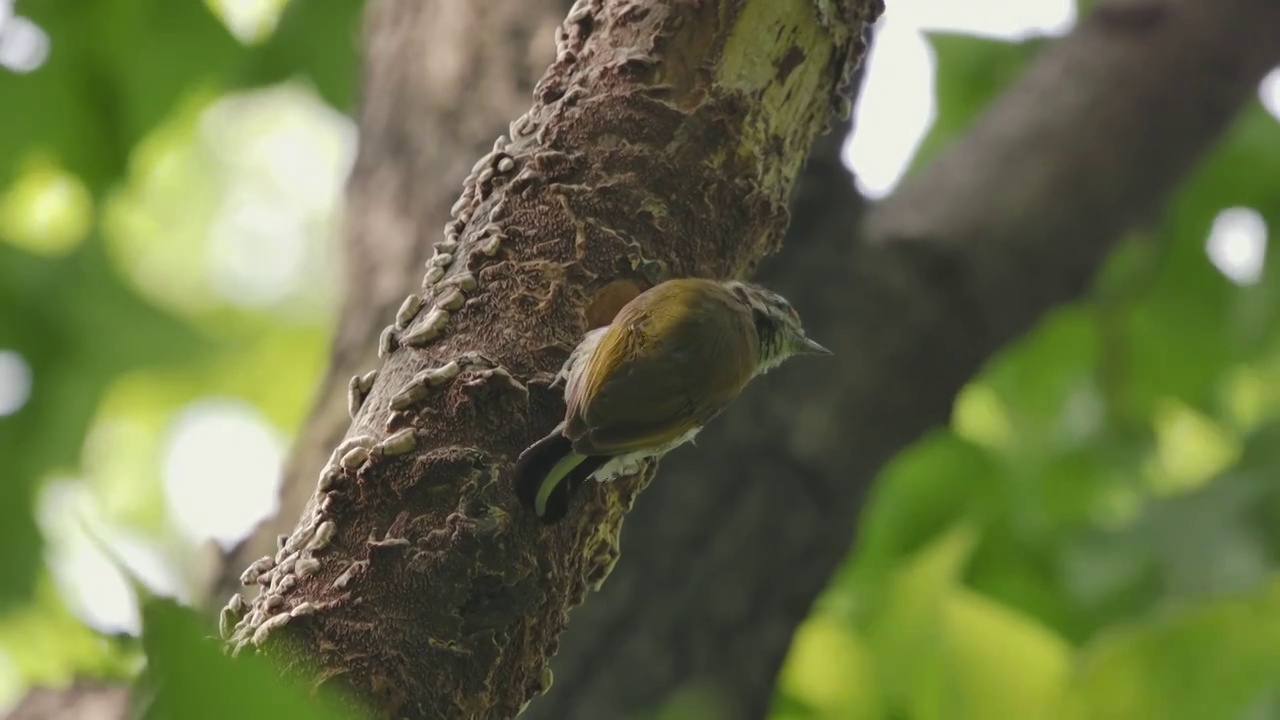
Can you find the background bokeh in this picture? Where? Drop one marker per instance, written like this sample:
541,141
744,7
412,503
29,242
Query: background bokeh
1096,535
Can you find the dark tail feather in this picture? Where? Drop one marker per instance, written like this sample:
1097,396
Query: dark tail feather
558,501
535,463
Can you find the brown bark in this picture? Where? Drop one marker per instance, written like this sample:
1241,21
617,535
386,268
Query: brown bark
423,122
663,141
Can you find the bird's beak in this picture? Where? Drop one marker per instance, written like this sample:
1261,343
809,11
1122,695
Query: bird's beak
809,347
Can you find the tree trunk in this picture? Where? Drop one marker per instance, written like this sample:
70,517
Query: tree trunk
423,123
663,141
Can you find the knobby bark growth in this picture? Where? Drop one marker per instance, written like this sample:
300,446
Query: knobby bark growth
440,81
663,141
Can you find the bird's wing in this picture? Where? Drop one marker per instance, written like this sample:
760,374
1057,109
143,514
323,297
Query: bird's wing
662,370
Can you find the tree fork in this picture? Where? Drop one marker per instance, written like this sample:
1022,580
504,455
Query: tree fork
663,141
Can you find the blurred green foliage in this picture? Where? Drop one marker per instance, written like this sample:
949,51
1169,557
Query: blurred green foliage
189,677
1096,535
112,172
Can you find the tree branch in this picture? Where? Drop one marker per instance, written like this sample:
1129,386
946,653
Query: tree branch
663,141
728,549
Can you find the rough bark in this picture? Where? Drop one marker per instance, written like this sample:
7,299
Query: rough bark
663,141
423,122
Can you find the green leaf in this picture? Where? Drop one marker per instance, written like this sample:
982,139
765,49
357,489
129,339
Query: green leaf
971,72
316,39
1190,448
78,327
1223,537
1189,308
1209,662
943,651
188,676
53,114
47,210
983,640
788,707
1257,469
904,635
1046,382
158,51
1193,323
115,68
924,491
48,645
1027,559
829,673
1197,546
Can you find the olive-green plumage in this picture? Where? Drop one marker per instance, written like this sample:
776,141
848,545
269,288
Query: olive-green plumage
672,359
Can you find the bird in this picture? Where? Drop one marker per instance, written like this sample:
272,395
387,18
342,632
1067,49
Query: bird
671,360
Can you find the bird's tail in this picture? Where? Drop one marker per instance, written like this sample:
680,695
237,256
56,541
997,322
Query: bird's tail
548,472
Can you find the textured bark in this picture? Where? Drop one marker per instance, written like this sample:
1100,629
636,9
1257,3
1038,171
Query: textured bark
441,80
663,141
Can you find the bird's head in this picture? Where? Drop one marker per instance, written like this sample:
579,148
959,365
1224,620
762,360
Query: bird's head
778,327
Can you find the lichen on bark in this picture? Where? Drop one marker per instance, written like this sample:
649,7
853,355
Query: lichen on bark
663,141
